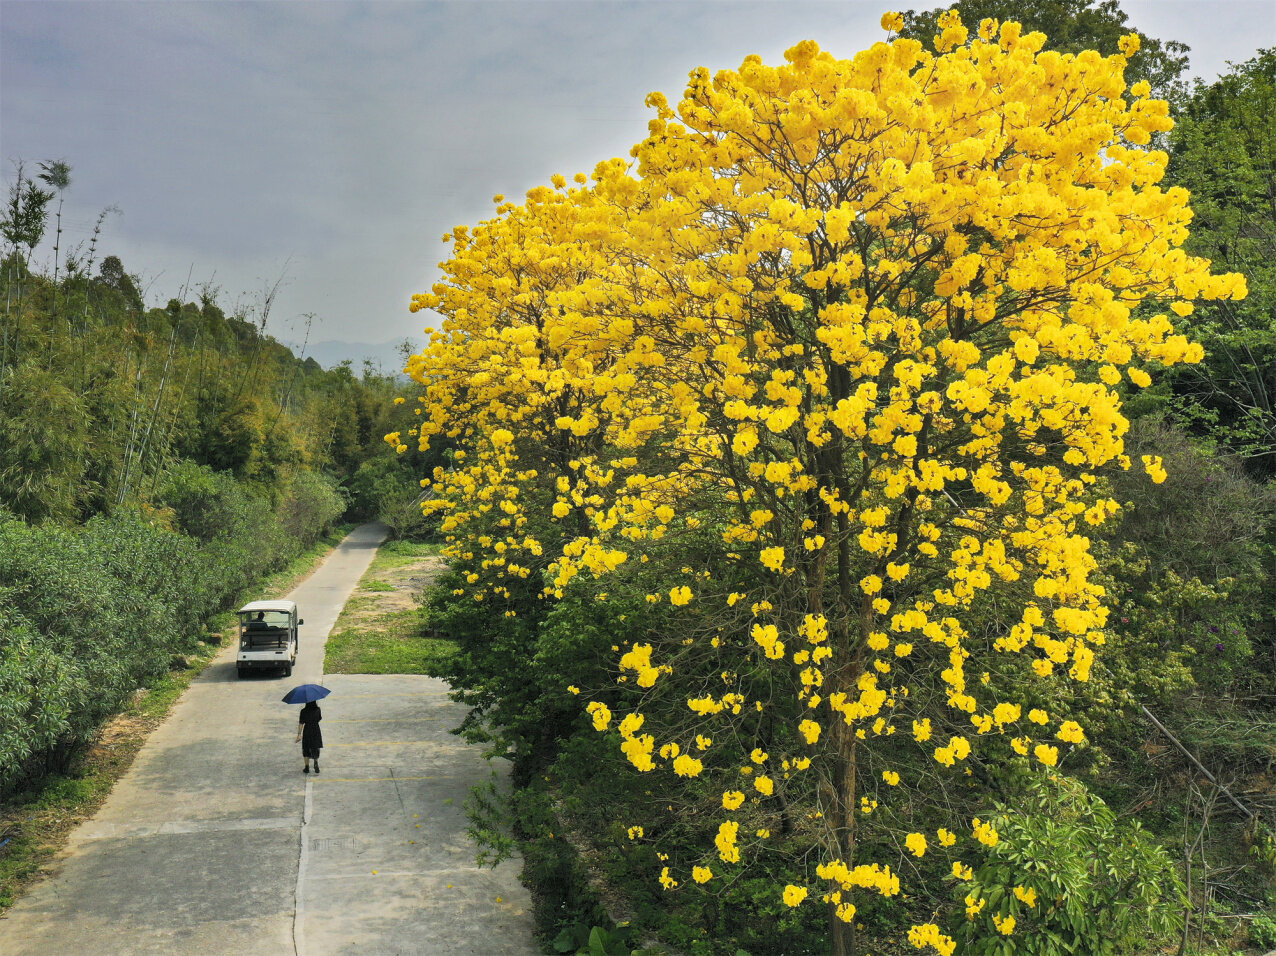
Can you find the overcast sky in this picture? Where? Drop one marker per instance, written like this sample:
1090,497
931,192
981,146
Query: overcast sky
332,144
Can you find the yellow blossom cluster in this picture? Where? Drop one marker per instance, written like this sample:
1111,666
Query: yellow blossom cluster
870,320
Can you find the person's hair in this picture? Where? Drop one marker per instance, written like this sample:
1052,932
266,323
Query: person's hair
310,705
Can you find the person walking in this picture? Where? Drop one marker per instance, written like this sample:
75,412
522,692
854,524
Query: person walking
309,735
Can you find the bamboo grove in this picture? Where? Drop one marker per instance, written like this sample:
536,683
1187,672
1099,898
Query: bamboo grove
851,332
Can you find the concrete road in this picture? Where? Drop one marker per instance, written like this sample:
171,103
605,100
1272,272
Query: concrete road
215,842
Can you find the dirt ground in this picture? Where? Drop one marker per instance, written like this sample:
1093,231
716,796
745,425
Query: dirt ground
389,588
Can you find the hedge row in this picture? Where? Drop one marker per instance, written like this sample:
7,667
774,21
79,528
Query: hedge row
89,613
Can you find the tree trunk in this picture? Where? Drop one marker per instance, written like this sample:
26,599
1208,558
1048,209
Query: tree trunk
842,933
850,664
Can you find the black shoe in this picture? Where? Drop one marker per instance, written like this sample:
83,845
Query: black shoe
306,769
316,768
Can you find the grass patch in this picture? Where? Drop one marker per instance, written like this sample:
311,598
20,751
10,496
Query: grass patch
380,629
390,644
37,820
398,553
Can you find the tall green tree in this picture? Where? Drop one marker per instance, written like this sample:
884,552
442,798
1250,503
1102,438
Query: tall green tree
1070,27
1223,152
25,219
43,445
56,173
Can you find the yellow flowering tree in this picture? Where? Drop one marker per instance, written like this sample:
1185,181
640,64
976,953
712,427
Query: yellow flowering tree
864,319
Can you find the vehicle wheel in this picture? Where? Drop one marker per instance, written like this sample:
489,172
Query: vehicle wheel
239,671
287,670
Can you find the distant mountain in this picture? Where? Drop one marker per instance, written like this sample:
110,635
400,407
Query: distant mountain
387,357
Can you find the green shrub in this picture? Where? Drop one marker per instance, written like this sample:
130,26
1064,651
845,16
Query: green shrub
43,446
1262,932
87,614
1189,589
72,619
377,480
37,689
207,505
1093,884
241,533
402,513
310,506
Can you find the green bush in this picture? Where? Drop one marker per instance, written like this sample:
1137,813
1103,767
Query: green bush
37,689
1262,932
402,513
44,446
1093,884
89,613
311,505
1190,588
376,481
241,533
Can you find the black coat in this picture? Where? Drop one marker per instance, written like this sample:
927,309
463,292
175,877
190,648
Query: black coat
311,736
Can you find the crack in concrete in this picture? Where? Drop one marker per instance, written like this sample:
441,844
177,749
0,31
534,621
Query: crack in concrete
298,897
398,793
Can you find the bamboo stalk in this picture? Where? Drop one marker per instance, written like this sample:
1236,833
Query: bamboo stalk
132,434
159,398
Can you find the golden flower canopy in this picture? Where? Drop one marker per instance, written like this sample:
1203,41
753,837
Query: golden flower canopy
869,317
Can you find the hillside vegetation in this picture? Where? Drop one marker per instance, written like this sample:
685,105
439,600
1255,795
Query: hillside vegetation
155,463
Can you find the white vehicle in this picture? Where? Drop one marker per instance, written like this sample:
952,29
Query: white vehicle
267,636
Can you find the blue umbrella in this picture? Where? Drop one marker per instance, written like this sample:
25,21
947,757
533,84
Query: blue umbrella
305,694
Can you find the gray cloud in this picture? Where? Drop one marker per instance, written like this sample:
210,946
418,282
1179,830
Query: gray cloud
344,139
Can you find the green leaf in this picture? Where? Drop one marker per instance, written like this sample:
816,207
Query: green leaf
599,941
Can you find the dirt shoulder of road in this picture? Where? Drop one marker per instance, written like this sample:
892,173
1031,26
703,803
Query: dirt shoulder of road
36,822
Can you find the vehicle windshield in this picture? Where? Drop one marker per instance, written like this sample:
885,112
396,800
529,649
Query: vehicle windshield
257,620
